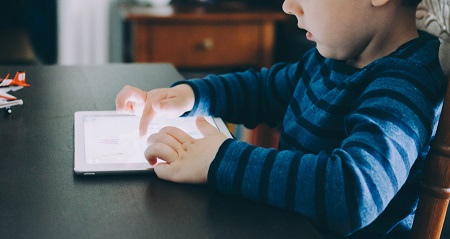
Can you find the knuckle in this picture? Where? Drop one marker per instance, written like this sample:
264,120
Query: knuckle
152,139
168,130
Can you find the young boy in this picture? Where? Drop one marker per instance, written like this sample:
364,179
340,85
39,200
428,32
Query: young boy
357,114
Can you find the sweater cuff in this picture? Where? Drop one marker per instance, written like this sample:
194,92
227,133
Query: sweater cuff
214,167
201,103
223,169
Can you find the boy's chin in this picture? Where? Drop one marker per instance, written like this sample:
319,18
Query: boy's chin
329,53
326,52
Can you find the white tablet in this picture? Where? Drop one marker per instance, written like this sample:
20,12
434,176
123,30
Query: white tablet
108,142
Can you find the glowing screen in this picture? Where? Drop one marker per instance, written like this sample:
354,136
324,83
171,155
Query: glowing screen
115,138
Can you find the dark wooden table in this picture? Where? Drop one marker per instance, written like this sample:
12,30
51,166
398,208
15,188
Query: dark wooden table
41,197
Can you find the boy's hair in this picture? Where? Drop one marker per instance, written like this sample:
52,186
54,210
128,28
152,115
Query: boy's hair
411,3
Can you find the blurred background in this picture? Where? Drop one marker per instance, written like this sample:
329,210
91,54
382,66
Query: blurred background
28,31
72,32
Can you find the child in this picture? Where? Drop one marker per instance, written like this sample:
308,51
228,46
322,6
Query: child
357,114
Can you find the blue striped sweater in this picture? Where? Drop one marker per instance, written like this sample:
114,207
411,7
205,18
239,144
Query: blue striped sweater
352,141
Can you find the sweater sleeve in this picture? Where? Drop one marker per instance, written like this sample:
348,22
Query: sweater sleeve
249,98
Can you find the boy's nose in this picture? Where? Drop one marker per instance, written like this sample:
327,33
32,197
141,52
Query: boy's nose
292,7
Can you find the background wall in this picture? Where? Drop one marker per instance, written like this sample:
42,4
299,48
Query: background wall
84,31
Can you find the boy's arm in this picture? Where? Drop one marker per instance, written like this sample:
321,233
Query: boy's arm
249,97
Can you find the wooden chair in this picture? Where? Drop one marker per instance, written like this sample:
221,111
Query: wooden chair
433,16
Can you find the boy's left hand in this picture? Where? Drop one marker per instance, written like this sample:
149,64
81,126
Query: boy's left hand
186,159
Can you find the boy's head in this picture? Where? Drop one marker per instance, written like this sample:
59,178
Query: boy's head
355,31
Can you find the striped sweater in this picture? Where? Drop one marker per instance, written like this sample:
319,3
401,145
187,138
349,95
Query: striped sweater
352,141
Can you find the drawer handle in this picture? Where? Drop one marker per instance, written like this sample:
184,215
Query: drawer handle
206,44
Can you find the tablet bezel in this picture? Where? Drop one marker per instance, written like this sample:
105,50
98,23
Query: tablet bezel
83,168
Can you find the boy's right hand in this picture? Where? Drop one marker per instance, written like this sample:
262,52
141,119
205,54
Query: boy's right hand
171,102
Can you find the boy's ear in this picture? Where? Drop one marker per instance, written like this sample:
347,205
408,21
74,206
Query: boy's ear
379,3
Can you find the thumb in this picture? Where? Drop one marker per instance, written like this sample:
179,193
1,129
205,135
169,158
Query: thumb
172,107
204,126
166,107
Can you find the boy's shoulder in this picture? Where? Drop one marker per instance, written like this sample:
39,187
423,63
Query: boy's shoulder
421,51
419,56
416,61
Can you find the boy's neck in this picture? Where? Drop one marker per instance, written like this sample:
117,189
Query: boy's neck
394,32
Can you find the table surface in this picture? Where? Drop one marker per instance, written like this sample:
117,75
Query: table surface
41,197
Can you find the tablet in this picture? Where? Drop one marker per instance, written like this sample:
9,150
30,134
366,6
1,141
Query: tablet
107,142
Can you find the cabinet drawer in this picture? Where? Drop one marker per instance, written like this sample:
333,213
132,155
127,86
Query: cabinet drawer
199,45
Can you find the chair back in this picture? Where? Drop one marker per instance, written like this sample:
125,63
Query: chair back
433,16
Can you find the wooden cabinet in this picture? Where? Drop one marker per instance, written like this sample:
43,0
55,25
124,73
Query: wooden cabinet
201,36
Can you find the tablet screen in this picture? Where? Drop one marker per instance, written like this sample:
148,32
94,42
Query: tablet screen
115,138
108,142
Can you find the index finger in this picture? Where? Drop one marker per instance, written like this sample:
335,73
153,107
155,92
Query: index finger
147,116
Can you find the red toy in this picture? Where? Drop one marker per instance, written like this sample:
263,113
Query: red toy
6,85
